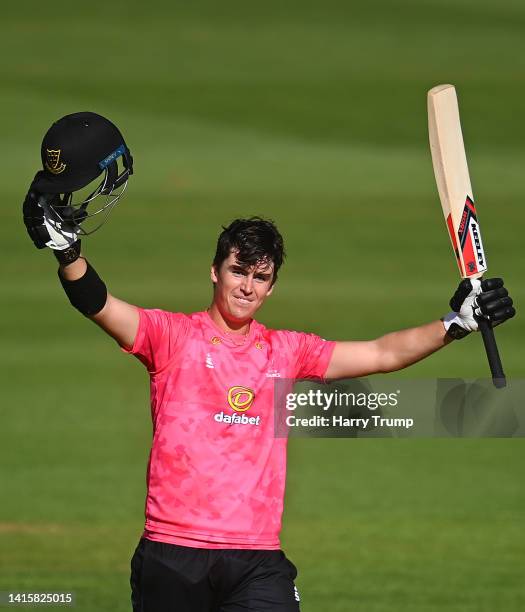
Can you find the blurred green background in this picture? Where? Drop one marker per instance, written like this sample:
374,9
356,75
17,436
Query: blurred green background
313,114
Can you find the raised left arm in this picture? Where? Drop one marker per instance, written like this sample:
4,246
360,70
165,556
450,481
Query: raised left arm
388,353
473,299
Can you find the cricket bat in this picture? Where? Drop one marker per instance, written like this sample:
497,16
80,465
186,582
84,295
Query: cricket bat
457,201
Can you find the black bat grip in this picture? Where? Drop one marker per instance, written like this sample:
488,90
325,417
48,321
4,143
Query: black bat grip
491,348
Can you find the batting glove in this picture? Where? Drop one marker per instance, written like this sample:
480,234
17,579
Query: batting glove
46,229
475,300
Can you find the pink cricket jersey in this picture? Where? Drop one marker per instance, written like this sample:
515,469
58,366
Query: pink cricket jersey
216,473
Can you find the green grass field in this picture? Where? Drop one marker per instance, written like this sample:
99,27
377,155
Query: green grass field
313,114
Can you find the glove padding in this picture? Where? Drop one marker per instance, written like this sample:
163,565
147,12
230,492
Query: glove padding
474,300
34,220
46,228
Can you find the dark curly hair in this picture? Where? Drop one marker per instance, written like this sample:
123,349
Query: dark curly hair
254,240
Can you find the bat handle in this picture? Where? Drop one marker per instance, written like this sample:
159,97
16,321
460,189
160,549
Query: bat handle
491,348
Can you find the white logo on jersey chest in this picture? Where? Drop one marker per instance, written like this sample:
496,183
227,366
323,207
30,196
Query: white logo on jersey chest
272,372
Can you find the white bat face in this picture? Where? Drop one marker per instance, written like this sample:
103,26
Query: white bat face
453,181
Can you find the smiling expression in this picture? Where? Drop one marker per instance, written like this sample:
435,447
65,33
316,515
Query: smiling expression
239,290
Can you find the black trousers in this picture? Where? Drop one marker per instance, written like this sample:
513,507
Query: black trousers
170,578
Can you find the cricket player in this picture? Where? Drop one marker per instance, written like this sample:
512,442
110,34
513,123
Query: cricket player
216,473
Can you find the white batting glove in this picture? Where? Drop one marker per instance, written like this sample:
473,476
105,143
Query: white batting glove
61,236
474,300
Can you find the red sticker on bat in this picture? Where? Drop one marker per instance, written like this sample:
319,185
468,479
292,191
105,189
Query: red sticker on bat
454,242
469,238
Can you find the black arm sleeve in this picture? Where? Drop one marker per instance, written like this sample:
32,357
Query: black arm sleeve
88,294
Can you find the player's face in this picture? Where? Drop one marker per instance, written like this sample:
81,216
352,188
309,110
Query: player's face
239,290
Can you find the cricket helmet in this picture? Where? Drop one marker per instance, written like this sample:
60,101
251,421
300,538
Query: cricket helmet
76,150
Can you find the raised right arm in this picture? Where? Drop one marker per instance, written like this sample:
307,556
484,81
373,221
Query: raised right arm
84,288
117,318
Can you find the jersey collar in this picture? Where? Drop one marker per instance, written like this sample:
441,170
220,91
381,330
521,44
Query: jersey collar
215,332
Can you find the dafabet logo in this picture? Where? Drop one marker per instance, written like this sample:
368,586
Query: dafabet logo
240,399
